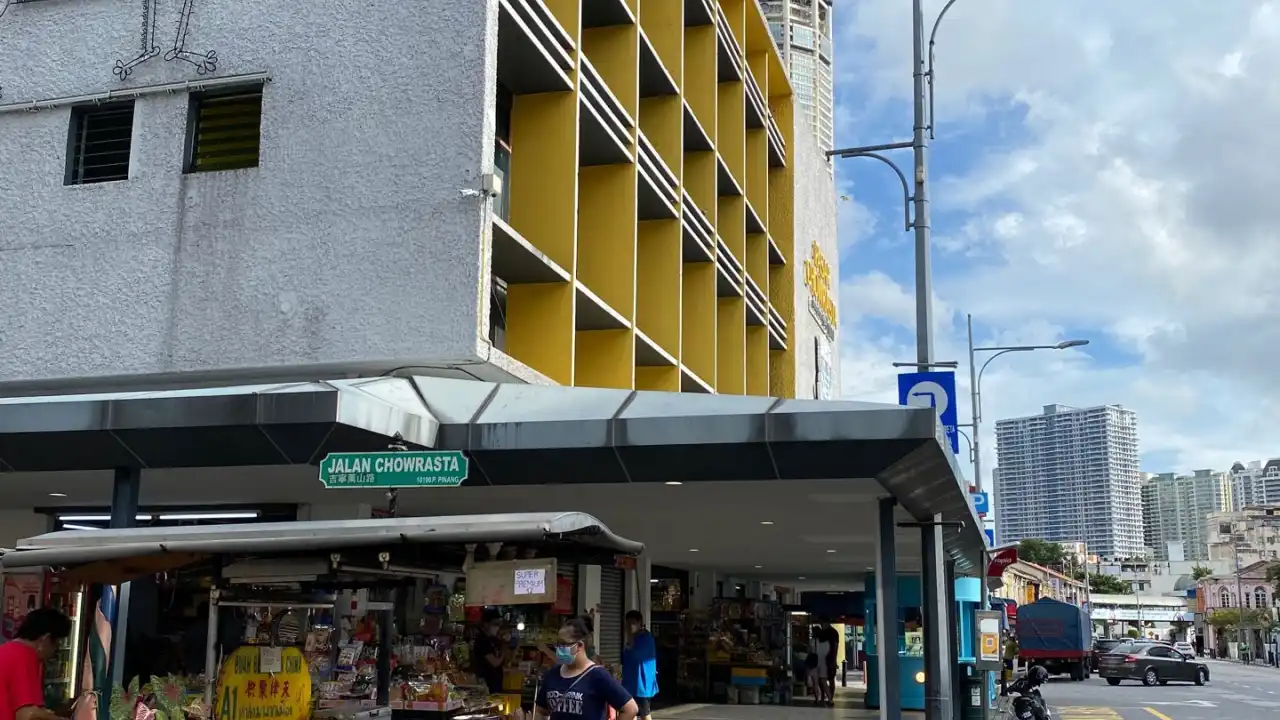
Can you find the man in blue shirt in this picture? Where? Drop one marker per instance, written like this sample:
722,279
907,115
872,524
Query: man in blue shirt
640,664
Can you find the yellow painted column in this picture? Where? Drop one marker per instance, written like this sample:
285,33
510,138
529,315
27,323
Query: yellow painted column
605,358
731,362
607,234
658,286
698,329
540,330
757,360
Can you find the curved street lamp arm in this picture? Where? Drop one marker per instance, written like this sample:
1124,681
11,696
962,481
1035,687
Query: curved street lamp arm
906,193
933,36
978,384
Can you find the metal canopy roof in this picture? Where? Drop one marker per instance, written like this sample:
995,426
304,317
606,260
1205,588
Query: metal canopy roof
70,548
218,426
514,435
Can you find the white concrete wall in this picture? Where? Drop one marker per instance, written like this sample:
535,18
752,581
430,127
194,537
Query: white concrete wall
351,246
815,212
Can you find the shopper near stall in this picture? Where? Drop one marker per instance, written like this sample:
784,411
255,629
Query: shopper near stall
640,664
22,665
579,689
832,638
822,676
489,653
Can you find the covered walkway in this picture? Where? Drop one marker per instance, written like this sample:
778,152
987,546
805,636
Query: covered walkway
788,491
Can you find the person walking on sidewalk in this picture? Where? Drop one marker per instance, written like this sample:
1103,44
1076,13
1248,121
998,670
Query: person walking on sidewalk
640,664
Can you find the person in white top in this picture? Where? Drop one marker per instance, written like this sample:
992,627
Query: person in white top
821,647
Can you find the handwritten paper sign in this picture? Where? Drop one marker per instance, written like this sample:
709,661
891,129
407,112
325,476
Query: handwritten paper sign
532,581
269,660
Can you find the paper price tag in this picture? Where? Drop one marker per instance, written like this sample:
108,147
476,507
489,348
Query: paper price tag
269,660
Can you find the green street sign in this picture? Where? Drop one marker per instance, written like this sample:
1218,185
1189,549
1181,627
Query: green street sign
446,468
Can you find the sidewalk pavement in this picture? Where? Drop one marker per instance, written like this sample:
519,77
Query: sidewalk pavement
848,707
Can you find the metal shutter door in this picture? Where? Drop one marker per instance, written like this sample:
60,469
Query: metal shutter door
570,570
609,624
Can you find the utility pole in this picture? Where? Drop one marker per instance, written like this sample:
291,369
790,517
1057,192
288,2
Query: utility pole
920,146
975,411
1235,547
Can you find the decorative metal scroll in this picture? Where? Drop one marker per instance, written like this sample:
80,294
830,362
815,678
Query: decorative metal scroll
206,63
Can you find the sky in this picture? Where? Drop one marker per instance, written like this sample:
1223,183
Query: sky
1102,170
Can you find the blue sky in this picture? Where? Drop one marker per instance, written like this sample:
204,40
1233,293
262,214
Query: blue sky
1094,176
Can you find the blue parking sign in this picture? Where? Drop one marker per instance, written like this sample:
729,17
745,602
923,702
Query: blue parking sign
981,503
936,390
991,536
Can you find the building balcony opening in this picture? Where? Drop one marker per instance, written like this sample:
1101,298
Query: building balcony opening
502,152
498,313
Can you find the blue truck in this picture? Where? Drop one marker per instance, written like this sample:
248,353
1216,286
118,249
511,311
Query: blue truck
1056,635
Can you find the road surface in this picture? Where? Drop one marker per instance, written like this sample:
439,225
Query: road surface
1234,692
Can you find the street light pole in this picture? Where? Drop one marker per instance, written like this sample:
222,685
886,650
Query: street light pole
975,387
920,146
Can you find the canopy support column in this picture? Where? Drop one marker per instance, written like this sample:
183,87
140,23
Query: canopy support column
887,613
125,491
937,632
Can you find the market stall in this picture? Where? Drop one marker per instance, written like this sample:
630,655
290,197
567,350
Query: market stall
735,653
308,619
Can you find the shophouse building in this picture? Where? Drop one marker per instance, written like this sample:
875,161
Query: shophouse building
601,194
1222,596
1245,537
485,227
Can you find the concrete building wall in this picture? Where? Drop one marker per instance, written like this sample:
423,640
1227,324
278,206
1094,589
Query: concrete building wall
351,246
816,223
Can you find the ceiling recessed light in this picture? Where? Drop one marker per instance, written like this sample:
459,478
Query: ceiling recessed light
801,577
758,567
675,482
693,549
766,522
57,494
831,551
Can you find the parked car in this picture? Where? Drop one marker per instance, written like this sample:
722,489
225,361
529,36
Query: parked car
1185,648
1102,646
1151,663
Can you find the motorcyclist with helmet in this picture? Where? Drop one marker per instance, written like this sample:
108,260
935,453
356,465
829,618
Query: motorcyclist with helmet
1024,701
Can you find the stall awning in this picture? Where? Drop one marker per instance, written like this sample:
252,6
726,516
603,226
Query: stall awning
280,424
71,548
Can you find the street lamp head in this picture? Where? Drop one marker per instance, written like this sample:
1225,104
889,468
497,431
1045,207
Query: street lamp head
1070,344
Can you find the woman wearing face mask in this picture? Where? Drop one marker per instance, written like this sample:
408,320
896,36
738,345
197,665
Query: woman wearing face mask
577,688
489,653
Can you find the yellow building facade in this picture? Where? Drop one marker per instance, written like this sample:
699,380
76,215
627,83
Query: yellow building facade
646,237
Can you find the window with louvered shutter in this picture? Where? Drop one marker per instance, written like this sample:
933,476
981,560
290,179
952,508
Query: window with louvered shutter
100,142
226,130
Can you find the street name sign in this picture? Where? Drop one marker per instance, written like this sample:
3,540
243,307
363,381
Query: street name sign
393,469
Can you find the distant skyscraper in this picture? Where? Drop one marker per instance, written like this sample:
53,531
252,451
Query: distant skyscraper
1175,508
802,31
1071,475
1257,484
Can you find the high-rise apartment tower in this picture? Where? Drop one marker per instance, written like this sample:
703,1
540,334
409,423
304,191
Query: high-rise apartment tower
1175,507
1071,475
802,31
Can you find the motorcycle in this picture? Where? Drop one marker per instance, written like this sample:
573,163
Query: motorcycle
1022,700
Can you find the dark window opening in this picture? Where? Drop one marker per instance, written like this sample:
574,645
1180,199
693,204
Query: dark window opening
502,151
226,130
100,143
498,313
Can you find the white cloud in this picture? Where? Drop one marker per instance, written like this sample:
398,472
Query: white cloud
1137,205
